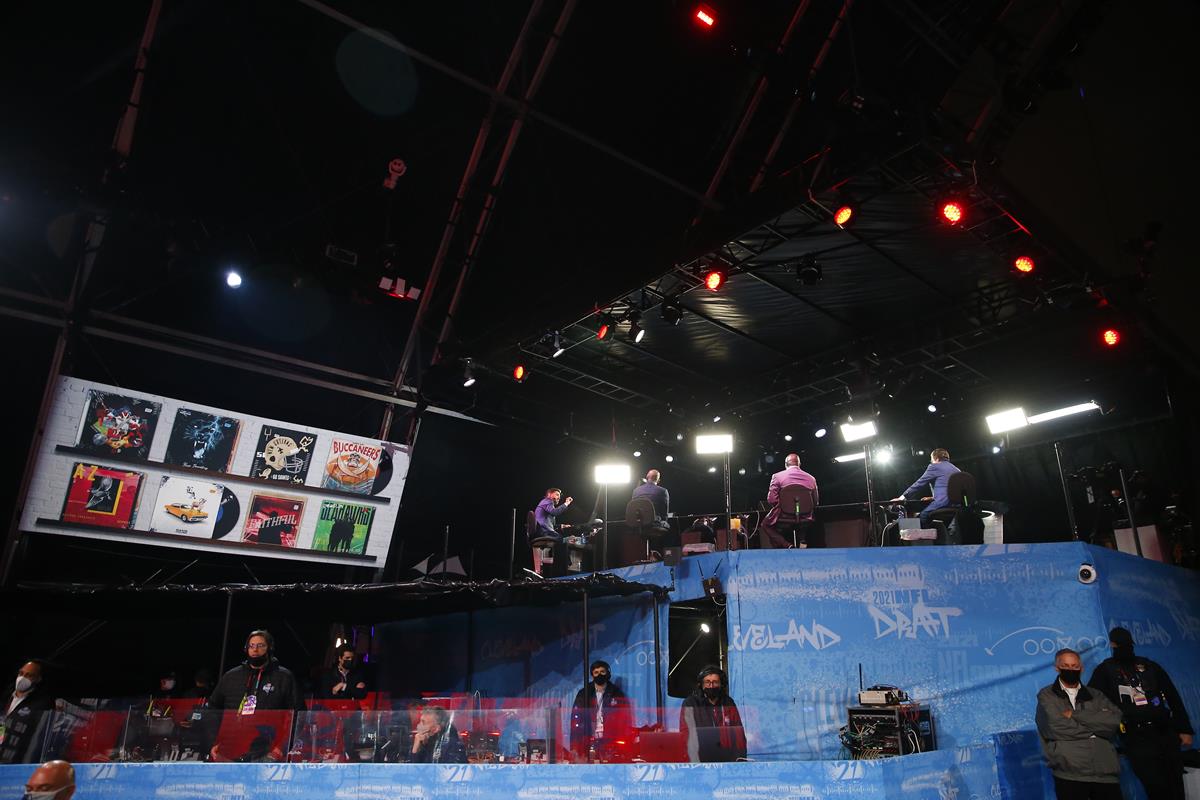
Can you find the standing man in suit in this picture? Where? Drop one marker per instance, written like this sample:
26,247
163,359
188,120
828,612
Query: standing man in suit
21,713
791,475
938,474
658,496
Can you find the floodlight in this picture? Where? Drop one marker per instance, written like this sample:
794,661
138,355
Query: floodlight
787,437
850,457
613,473
669,459
232,279
1007,420
712,469
637,453
1080,408
883,456
468,376
863,430
931,408
558,345
714,443
704,628
820,433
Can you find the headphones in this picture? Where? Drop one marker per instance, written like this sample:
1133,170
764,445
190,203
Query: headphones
712,669
264,634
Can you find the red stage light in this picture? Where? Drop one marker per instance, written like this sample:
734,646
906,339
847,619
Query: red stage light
706,16
1023,264
519,373
953,212
713,279
1111,337
602,333
843,215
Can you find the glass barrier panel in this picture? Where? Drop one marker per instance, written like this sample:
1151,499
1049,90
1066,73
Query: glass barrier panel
259,736
82,735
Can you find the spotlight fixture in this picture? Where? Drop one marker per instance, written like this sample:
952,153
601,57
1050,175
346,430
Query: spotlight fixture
519,373
679,437
931,408
820,433
883,456
233,279
558,345
468,376
1111,337
996,449
1023,264
808,271
669,459
671,310
859,456
704,628
714,279
705,17
741,471
636,331
637,453
1058,413
612,473
787,437
953,211
1008,420
852,432
712,469
714,443
843,215
604,330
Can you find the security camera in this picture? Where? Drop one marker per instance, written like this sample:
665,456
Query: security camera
1087,573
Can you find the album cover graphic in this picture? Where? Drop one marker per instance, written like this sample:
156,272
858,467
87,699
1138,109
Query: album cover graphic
116,426
202,440
283,455
103,496
343,527
352,466
273,519
192,507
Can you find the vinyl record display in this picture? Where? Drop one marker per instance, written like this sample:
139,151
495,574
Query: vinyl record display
227,514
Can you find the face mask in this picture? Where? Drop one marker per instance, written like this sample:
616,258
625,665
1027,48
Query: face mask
168,684
1070,677
257,661
347,662
601,679
712,694
23,684
43,795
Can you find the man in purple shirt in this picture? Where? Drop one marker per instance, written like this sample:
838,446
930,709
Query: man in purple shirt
938,473
791,475
548,511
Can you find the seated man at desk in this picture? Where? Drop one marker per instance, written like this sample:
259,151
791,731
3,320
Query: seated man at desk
658,496
937,473
791,475
546,515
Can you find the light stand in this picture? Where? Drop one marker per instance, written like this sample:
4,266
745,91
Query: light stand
873,535
720,443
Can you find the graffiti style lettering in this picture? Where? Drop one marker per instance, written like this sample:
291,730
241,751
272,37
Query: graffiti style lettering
762,637
1146,633
930,620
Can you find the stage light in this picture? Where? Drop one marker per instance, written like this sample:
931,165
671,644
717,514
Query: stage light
468,376
931,408
679,437
637,453
883,456
842,216
636,331
714,443
808,271
713,279
716,418
953,212
705,16
232,279
850,457
558,348
742,471
671,311
613,473
854,433
995,449
1023,264
787,437
1057,413
820,433
519,373
704,628
669,459
1007,420
712,469
604,330
1111,337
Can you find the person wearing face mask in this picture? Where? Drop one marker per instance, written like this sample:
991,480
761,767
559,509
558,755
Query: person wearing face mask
167,686
601,718
1077,726
54,780
343,682
21,713
1156,722
710,721
260,683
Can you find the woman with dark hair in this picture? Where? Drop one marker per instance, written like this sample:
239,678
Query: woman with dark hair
710,720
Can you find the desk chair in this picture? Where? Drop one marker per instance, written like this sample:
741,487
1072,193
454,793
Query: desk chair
960,490
543,546
640,516
795,504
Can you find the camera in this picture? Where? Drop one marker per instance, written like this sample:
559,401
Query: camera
1087,573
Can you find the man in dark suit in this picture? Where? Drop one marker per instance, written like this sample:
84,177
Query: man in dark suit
791,475
21,713
658,496
938,474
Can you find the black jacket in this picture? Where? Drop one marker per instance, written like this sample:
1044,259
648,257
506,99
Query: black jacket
445,749
714,731
332,677
274,687
1164,710
22,724
618,716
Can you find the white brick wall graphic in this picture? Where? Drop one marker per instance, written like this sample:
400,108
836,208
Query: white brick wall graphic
52,473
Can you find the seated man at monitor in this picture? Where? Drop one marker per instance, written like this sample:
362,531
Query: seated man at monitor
546,515
938,474
791,475
658,496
